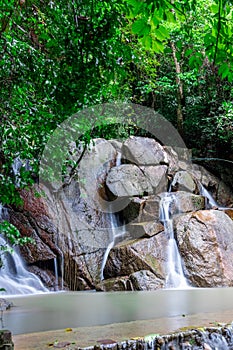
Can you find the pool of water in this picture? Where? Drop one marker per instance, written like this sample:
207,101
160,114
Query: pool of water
51,311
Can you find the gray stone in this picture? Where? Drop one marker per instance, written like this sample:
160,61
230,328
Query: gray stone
205,240
142,210
173,159
144,229
157,177
184,154
143,151
121,283
143,254
93,170
128,180
183,180
145,280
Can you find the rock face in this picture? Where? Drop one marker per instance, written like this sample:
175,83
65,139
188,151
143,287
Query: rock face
106,220
205,240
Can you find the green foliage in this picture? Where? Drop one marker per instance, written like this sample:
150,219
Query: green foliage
154,22
13,235
55,59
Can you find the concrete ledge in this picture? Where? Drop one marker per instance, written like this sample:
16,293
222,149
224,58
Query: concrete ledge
6,340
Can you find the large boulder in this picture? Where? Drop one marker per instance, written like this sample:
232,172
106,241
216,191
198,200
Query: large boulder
143,229
145,280
143,151
142,209
140,280
205,241
65,229
132,256
128,180
183,181
157,177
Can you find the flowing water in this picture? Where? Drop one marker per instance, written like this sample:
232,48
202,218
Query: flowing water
205,193
116,230
14,277
174,270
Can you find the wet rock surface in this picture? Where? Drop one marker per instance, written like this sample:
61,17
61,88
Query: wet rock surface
122,184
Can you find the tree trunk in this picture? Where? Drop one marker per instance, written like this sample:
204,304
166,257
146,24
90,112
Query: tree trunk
180,93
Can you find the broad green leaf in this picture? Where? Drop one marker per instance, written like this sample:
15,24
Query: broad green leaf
164,31
157,46
139,26
223,70
147,42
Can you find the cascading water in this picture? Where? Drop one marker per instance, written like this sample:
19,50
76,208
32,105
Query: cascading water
211,202
114,231
14,277
174,270
16,166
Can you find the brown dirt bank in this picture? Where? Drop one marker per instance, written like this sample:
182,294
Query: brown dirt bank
73,339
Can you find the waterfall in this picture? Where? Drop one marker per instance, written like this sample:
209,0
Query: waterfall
174,270
16,166
55,273
211,202
115,230
14,277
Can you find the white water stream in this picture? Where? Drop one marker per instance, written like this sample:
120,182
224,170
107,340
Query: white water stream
174,270
115,230
205,193
14,277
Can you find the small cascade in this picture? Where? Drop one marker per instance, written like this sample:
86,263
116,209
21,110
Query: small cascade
174,270
115,230
214,338
118,159
211,202
55,273
14,277
16,166
215,341
62,270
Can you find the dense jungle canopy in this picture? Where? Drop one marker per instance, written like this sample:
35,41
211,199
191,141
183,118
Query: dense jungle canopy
58,57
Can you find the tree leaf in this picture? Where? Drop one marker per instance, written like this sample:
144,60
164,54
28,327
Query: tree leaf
138,26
